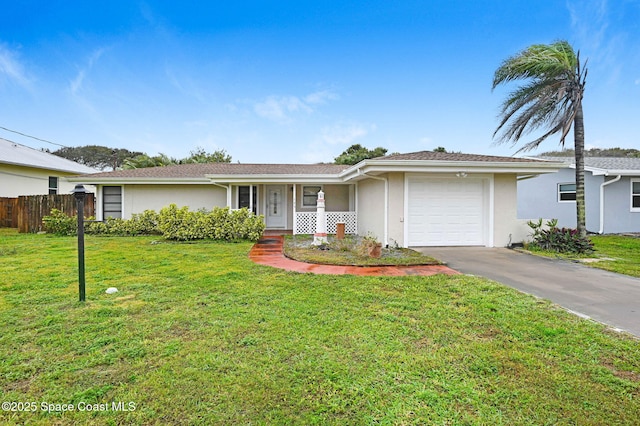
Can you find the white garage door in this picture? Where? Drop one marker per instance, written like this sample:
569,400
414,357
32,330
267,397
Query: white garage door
446,212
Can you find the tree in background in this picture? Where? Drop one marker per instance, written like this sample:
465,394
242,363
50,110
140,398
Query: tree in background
99,157
596,152
199,155
143,160
356,153
550,97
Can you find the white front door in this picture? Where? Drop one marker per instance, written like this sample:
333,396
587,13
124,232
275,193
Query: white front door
276,206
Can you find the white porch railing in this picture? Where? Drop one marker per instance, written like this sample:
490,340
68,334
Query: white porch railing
305,222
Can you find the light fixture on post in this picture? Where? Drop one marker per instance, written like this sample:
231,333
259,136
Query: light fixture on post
79,192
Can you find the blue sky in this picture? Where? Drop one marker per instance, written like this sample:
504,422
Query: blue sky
299,81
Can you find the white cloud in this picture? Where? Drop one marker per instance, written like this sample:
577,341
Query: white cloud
282,108
76,84
320,97
332,140
279,108
12,69
345,134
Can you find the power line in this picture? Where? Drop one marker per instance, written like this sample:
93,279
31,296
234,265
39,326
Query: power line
33,137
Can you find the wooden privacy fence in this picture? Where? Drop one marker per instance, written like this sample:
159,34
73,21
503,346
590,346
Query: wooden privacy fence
29,210
8,212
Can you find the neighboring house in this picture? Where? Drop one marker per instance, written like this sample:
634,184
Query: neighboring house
27,171
417,199
612,194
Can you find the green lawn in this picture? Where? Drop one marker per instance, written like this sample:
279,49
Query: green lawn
198,334
625,252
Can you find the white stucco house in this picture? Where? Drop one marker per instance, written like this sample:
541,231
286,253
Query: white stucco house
612,194
416,199
27,171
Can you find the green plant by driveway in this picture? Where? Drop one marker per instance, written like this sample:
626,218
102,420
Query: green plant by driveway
562,240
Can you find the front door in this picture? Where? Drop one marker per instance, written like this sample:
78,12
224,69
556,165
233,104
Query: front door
276,206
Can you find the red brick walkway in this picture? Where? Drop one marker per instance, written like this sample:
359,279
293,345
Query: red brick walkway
268,251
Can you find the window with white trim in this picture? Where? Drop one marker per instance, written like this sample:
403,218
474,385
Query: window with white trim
310,195
53,185
112,202
635,195
245,195
566,192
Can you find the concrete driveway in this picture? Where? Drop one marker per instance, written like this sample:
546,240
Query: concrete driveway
606,297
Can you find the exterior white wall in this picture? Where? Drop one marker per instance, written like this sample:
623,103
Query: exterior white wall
501,216
506,227
618,216
396,208
336,197
370,208
538,198
138,198
20,180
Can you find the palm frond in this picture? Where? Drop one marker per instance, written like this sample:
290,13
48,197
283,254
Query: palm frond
549,97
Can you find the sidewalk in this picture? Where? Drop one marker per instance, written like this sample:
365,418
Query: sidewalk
268,251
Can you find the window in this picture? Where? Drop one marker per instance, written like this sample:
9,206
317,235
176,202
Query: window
635,195
244,197
53,185
566,192
310,196
112,202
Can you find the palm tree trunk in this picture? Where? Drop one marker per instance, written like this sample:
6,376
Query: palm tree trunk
578,135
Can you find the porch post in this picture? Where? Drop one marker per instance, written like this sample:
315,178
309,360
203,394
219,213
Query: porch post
295,216
251,198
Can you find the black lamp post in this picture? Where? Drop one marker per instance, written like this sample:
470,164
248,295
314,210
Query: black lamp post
79,193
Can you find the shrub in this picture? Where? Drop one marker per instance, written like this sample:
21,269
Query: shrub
172,223
145,223
561,240
59,223
220,224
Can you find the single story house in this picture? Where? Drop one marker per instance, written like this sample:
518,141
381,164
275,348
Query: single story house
612,194
28,171
416,199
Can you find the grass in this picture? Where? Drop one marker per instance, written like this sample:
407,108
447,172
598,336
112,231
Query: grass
349,252
621,254
198,334
615,253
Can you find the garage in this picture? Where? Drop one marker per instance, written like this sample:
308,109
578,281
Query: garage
446,211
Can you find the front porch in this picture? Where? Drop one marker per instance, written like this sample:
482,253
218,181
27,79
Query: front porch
305,222
291,208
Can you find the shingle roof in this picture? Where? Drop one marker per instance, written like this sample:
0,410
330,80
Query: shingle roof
451,156
605,163
15,153
202,170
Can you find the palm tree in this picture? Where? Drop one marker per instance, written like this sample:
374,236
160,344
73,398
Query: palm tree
551,98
